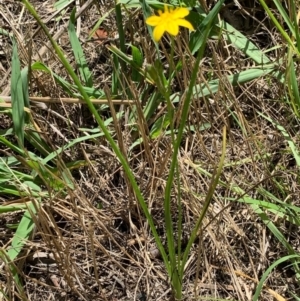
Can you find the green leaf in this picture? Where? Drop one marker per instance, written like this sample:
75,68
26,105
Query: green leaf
159,126
293,85
137,58
84,71
69,88
242,43
239,78
23,233
61,4
197,37
24,76
37,141
18,113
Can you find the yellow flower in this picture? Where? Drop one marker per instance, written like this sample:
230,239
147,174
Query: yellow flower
169,21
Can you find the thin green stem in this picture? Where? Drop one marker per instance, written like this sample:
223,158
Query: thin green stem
167,202
121,33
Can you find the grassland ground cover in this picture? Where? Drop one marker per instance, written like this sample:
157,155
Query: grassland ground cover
101,198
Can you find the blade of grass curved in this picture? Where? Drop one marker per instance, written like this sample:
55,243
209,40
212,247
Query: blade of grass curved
16,149
48,176
70,89
245,76
198,37
85,73
21,236
18,113
268,272
55,153
235,37
67,87
280,237
283,209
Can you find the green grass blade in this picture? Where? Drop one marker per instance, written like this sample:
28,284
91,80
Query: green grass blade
69,88
61,4
120,29
24,76
22,234
198,37
294,26
137,3
138,59
85,73
239,78
292,84
279,27
285,16
268,272
12,208
99,22
37,141
18,113
257,206
242,43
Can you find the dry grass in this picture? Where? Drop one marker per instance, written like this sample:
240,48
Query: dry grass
94,243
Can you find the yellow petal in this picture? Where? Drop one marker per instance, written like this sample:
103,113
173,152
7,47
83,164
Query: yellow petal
172,28
185,23
158,32
180,13
153,20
